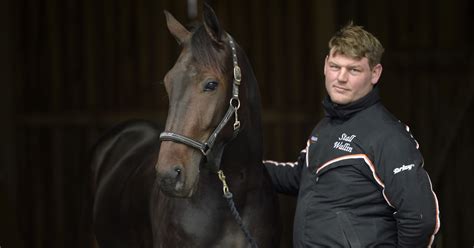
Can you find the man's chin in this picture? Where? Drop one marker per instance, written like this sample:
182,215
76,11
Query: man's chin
340,99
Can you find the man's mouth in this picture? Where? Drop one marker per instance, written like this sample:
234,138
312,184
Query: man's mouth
340,89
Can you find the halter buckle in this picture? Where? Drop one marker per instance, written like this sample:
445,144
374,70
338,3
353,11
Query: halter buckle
237,75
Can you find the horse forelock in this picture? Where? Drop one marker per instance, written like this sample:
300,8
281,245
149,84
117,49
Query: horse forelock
206,52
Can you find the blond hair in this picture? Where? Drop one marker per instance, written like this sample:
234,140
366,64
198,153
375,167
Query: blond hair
355,42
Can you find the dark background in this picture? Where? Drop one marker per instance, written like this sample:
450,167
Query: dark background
71,69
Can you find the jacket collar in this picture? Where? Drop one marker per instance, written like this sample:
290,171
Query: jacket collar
345,112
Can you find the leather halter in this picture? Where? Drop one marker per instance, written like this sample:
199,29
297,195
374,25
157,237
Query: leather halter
234,105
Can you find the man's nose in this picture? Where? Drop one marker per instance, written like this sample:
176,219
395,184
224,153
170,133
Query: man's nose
342,76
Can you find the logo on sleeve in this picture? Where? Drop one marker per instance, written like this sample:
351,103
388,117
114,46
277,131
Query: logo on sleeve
403,168
314,139
344,142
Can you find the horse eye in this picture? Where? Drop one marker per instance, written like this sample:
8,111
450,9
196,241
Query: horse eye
210,86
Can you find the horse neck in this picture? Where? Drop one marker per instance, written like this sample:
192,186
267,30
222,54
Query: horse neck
246,148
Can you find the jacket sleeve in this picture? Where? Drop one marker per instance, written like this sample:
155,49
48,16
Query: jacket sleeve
286,176
408,189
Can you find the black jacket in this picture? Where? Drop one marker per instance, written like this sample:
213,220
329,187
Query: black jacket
360,182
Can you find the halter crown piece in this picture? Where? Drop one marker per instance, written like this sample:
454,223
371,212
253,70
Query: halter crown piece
234,105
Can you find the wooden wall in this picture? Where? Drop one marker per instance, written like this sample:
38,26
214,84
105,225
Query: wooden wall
74,68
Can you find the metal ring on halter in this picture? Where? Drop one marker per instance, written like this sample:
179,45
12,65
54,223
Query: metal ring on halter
235,99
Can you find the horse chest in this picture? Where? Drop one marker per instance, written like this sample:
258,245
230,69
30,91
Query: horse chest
191,226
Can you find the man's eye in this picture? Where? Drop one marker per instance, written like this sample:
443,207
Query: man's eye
210,86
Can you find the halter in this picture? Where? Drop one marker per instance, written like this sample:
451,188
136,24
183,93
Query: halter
234,105
206,147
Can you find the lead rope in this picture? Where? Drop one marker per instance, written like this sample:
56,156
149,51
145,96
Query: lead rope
235,102
229,197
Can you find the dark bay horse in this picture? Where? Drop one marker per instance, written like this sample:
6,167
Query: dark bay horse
148,194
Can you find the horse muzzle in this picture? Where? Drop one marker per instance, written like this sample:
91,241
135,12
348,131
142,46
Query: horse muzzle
171,180
177,169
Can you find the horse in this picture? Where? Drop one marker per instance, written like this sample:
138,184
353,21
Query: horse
171,188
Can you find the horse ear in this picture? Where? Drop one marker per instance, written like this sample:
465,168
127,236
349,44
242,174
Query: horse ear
212,25
176,28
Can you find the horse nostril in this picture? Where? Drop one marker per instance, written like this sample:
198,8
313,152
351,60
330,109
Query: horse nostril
178,171
172,176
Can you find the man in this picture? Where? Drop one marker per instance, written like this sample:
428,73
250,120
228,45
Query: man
360,180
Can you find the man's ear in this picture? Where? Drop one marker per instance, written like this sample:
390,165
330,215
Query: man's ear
325,64
376,73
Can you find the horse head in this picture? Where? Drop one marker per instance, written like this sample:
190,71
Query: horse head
203,91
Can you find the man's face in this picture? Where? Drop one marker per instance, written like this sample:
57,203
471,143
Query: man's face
349,79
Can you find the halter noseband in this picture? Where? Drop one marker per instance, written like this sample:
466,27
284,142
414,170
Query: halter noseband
234,105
